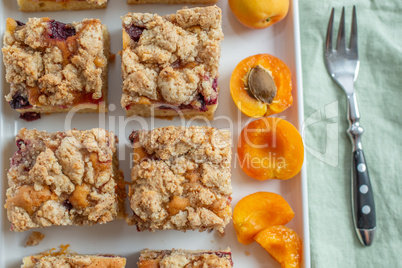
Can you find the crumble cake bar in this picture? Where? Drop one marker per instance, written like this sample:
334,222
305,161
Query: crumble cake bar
185,258
170,64
181,179
54,67
54,5
64,178
74,261
133,2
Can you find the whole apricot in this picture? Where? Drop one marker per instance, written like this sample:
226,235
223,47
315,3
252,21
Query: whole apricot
259,14
283,244
258,211
270,148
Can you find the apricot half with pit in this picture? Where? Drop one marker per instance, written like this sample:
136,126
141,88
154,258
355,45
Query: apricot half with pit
270,148
258,211
283,244
261,85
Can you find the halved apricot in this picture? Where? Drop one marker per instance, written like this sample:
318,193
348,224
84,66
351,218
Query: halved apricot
258,211
283,244
248,102
270,148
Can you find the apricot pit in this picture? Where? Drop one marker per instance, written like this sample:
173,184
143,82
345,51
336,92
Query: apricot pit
261,85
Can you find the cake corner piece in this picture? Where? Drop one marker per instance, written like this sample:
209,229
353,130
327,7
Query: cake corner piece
55,79
170,63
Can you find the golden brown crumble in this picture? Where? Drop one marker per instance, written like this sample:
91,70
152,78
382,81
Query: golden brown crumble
181,179
63,178
74,261
176,58
185,258
99,2
55,72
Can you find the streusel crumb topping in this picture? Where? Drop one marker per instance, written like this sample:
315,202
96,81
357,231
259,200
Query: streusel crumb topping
99,2
185,258
62,178
181,178
51,62
172,59
74,261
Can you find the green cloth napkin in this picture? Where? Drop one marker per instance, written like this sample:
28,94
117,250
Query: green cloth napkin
379,94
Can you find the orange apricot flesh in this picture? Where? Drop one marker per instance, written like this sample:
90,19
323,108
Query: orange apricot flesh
258,211
270,148
283,244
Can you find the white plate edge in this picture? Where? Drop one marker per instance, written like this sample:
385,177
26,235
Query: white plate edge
304,188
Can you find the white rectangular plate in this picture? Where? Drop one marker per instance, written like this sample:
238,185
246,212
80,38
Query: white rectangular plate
281,40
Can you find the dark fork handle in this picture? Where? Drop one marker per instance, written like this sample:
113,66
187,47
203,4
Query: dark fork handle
363,199
362,193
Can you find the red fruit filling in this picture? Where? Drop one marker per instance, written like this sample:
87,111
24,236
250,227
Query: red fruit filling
134,136
30,116
61,30
19,23
135,32
19,102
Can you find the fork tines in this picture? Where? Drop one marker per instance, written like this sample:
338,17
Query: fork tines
341,42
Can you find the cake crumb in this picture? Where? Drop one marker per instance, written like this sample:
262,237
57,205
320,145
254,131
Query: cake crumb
112,57
34,239
247,253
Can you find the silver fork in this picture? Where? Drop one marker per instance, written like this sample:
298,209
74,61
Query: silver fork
343,65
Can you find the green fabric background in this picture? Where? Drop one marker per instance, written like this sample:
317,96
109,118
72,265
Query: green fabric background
379,94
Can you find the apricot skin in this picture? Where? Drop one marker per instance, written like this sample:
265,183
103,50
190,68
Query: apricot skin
259,14
283,244
270,148
258,211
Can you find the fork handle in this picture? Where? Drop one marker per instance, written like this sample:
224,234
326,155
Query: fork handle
362,193
363,199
